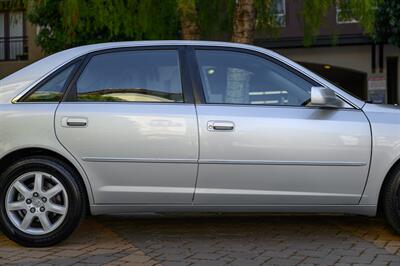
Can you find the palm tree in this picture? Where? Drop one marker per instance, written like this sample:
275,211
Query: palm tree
244,21
188,19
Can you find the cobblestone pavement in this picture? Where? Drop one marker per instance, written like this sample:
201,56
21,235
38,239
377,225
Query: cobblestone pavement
218,240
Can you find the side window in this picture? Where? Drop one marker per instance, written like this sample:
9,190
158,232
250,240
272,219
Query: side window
53,89
132,76
240,78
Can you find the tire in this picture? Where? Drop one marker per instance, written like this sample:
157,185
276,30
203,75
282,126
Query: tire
391,199
31,219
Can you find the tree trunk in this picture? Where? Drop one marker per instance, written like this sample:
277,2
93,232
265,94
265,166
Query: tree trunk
188,18
244,23
244,26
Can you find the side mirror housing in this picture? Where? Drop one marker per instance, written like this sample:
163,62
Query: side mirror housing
325,97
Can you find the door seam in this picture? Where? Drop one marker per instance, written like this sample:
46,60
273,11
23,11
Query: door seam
198,152
370,157
77,161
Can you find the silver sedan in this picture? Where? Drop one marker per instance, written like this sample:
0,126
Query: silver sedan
173,126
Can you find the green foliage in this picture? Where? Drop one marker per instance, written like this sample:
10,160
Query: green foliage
266,18
313,13
315,10
215,18
362,10
69,23
11,4
51,36
388,22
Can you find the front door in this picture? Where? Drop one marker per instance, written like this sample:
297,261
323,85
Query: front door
262,144
129,125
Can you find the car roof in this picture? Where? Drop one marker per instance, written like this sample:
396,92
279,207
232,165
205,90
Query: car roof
22,80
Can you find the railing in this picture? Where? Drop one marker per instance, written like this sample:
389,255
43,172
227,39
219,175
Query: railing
13,48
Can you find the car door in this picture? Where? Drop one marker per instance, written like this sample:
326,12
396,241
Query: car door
130,121
261,143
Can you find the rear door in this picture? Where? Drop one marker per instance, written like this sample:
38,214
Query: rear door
262,144
129,119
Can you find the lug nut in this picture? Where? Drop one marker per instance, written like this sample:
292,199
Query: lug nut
28,201
35,194
33,210
44,199
42,209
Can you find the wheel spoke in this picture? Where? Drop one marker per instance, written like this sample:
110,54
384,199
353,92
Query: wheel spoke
16,206
59,209
53,191
36,203
22,189
27,221
44,221
38,186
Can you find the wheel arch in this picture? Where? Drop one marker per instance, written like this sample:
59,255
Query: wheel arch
9,158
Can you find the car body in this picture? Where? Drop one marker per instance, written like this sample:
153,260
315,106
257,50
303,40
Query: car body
199,148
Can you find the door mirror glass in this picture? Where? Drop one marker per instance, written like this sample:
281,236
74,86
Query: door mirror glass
325,97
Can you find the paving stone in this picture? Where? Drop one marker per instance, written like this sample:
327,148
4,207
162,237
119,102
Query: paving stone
64,261
71,253
357,259
388,258
282,261
218,240
98,259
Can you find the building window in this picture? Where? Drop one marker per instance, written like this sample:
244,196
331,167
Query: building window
279,10
344,15
13,42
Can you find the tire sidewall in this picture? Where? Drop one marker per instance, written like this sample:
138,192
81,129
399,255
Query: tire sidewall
390,199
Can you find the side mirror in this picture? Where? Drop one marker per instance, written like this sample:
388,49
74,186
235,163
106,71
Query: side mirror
324,97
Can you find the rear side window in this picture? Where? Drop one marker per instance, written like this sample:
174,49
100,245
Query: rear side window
53,89
132,76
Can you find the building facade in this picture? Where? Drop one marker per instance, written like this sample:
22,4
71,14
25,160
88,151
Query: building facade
17,42
340,53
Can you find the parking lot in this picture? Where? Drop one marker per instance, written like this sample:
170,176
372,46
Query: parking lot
218,240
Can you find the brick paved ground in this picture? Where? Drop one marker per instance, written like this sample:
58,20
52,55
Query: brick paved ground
214,240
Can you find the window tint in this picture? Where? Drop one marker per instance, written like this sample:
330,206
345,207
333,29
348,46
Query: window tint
52,90
240,78
131,76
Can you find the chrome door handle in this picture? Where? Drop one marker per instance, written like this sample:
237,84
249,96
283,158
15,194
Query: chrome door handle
74,122
220,125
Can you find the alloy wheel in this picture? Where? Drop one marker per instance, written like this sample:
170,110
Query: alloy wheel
36,203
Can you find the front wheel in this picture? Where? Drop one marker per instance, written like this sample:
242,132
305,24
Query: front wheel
41,201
